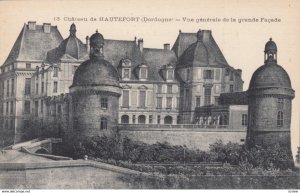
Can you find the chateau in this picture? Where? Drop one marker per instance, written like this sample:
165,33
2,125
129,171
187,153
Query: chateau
187,94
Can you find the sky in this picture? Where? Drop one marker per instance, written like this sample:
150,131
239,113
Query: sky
242,43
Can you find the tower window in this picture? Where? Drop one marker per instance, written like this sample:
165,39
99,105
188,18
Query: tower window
104,103
244,119
231,88
103,123
280,119
280,103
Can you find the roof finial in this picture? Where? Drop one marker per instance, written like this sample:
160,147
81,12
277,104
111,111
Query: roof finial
270,38
96,30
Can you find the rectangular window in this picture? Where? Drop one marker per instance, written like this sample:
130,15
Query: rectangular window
12,87
37,88
207,96
169,103
7,107
231,88
142,99
7,88
55,85
143,73
133,119
126,73
59,110
55,72
28,65
217,77
36,108
169,89
159,88
134,98
42,87
12,124
177,102
198,100
170,75
27,86
217,100
150,119
244,119
158,119
27,107
11,107
42,106
104,103
159,102
231,76
125,98
208,74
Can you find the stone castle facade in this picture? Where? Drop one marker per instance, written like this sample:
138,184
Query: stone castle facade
148,94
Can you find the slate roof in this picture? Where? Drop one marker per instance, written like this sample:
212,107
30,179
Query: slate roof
156,58
192,52
270,75
33,45
71,48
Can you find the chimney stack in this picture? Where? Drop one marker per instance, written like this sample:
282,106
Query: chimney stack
31,25
167,46
46,27
140,44
206,35
87,38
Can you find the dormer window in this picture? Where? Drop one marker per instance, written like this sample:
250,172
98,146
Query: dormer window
170,74
143,72
126,69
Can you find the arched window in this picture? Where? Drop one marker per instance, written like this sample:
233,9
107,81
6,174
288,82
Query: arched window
168,120
125,119
103,123
142,119
280,119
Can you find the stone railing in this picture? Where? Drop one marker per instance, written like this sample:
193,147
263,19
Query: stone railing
179,126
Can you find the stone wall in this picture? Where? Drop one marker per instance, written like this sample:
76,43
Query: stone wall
75,174
193,138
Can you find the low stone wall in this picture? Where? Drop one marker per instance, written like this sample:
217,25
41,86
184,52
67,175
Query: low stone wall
193,138
75,174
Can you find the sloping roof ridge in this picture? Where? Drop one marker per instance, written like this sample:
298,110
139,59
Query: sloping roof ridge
218,49
16,46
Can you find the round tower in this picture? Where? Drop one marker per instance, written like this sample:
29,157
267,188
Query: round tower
270,101
95,93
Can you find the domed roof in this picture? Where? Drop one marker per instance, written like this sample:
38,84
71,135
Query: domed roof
270,46
96,38
96,73
270,75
